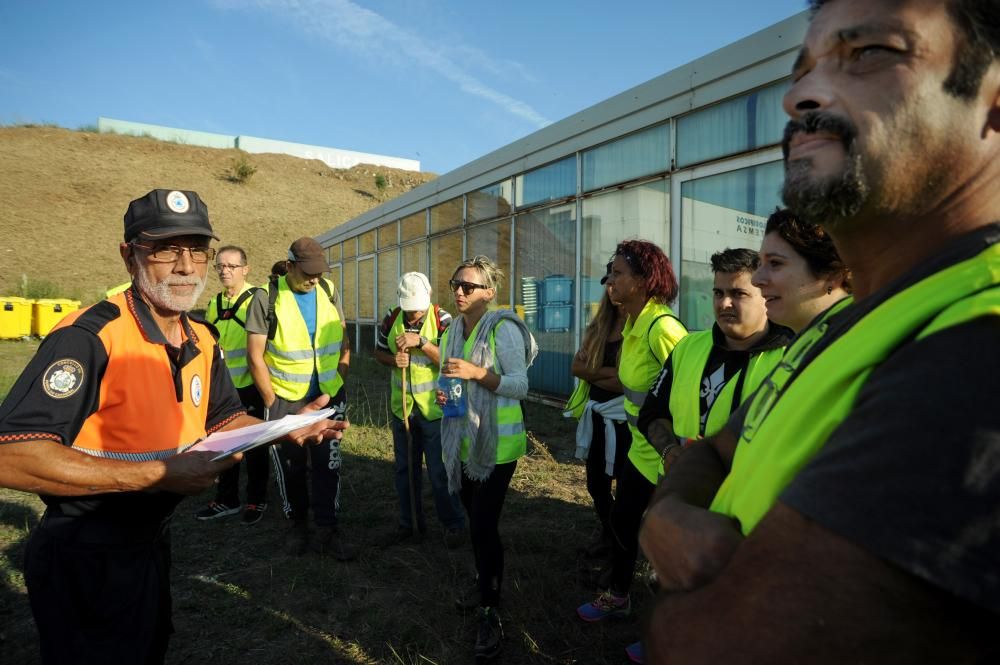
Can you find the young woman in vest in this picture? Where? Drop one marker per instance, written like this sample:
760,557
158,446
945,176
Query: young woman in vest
800,274
642,281
598,402
490,351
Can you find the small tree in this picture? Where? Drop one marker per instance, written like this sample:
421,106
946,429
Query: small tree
240,170
381,183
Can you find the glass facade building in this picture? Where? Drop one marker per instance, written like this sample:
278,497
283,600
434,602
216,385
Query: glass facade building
690,160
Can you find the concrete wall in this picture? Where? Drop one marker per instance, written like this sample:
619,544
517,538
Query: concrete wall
185,136
333,157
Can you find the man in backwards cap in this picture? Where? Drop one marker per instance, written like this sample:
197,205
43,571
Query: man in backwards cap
94,425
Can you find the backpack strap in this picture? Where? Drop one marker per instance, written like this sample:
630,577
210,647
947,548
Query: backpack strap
272,297
653,323
328,291
230,313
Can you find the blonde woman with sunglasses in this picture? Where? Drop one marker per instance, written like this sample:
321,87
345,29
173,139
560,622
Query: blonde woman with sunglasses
490,351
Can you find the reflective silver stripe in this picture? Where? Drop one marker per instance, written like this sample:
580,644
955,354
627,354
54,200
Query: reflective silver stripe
238,372
129,457
417,388
329,349
632,420
327,375
236,353
289,376
510,429
635,396
289,355
307,354
420,361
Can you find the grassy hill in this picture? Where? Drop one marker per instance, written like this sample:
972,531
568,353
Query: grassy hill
64,193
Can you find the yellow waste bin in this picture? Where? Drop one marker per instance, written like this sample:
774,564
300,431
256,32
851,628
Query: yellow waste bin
48,312
15,317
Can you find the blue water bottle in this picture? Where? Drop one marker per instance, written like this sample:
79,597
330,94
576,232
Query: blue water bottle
454,390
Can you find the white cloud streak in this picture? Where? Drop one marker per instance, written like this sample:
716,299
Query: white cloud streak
368,33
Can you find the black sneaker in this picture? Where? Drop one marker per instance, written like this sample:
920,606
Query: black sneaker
328,541
253,513
400,535
489,634
454,538
468,598
297,539
215,510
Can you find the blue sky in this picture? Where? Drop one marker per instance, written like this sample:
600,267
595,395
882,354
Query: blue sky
444,82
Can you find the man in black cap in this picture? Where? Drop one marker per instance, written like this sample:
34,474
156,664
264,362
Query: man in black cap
94,425
297,349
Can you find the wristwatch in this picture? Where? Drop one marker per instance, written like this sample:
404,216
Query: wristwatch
423,341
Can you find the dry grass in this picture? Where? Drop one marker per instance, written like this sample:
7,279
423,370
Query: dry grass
238,599
65,193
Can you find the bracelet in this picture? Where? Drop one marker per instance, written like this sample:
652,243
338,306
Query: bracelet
665,457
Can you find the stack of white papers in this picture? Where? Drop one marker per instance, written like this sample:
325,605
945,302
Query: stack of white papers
247,438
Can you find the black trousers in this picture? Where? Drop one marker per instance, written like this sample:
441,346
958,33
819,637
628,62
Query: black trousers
321,463
634,493
483,501
257,461
99,592
598,481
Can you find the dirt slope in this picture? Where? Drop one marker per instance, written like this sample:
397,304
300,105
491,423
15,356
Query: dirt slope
63,194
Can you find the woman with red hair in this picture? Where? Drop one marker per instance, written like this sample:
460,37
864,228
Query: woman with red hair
642,281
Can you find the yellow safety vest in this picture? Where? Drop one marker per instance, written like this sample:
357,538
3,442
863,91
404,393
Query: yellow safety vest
421,385
688,364
788,422
232,335
291,357
646,345
513,441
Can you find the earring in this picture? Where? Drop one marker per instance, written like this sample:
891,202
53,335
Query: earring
829,290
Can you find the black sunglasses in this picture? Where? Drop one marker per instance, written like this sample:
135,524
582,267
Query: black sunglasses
467,287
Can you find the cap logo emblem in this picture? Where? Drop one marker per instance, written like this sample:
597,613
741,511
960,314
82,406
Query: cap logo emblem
62,378
196,390
178,202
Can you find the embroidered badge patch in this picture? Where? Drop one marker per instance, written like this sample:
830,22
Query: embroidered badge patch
178,202
62,378
196,390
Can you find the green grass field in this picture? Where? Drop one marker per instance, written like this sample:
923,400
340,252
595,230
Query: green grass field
239,599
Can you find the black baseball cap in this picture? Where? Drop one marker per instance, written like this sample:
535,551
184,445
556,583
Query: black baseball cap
606,274
167,213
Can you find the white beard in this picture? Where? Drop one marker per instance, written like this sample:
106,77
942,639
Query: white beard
161,296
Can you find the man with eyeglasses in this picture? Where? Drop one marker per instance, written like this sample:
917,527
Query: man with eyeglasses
298,349
227,311
96,425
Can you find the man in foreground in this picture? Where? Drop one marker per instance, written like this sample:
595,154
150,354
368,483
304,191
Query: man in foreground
95,424
862,479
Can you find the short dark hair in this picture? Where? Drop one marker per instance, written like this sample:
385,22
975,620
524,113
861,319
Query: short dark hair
233,248
735,260
977,46
811,242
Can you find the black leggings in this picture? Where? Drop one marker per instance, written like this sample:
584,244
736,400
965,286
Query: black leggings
634,493
598,481
483,501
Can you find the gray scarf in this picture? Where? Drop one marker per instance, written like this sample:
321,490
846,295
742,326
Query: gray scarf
480,422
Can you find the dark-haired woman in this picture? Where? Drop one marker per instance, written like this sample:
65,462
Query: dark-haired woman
643,282
800,274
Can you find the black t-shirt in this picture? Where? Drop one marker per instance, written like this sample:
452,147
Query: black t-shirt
722,365
912,475
611,352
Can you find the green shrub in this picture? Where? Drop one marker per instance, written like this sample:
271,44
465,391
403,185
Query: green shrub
240,170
